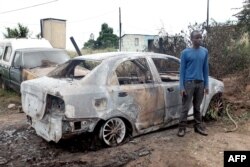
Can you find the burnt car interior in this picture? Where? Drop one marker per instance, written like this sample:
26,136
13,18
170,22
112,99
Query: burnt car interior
168,69
75,69
54,105
134,72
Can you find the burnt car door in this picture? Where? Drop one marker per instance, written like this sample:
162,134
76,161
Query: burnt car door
168,69
136,94
16,71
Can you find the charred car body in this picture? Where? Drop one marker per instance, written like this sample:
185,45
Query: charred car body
116,94
24,59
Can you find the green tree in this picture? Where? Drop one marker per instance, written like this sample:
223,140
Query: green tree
106,39
91,43
19,32
244,15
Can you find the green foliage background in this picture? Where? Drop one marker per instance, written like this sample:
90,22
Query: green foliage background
106,39
19,32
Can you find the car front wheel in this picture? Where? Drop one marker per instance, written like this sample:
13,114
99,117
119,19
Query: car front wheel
113,132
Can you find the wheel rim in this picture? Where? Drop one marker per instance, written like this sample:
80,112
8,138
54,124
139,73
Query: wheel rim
217,105
215,108
113,131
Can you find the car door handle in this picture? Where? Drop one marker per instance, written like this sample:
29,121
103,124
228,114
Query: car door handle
122,94
170,89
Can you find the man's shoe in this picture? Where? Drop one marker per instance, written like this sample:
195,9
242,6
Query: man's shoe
200,130
181,132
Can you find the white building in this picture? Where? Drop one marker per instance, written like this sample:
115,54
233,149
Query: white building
137,42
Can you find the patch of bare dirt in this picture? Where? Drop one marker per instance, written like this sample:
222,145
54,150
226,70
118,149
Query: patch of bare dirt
20,146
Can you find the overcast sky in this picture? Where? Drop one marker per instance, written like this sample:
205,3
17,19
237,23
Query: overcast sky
138,16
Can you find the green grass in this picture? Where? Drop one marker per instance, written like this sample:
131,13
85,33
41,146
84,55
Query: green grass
8,93
7,97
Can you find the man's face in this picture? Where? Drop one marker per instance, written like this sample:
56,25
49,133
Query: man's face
197,39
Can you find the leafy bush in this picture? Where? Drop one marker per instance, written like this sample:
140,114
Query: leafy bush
228,52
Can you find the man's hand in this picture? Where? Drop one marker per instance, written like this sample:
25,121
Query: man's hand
206,91
183,93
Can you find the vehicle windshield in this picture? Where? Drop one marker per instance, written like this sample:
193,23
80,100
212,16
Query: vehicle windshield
44,58
74,69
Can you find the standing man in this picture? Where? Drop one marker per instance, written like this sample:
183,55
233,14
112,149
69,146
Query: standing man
193,83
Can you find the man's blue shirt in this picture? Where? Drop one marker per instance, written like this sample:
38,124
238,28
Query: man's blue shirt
194,66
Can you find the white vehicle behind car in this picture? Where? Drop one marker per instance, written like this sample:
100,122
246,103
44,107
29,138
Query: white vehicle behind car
24,59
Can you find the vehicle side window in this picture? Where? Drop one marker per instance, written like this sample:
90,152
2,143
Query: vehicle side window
168,69
1,51
17,60
134,72
7,53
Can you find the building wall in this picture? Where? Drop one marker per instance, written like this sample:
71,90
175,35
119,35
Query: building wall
135,42
54,30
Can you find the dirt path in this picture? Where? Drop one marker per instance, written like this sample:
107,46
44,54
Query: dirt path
20,146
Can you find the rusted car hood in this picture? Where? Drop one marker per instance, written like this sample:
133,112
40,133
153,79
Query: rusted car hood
36,72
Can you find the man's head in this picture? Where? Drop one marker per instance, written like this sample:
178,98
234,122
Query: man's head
196,38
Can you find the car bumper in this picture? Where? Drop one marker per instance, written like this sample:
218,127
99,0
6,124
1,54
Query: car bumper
50,130
56,128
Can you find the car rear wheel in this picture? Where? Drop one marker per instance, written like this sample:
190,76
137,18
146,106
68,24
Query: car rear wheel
113,132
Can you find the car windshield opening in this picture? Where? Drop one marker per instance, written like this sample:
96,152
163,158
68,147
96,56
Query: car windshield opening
44,58
76,69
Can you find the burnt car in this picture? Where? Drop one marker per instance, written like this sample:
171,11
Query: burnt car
114,95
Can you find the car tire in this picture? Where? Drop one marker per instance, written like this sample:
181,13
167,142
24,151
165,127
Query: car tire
113,132
215,108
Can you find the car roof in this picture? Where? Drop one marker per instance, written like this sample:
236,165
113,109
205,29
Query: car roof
20,43
39,49
108,55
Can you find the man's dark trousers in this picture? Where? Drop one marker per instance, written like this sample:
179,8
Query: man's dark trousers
194,94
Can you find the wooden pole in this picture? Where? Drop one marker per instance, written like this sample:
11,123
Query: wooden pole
207,14
120,30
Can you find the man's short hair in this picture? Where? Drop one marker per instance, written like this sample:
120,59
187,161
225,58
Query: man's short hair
192,33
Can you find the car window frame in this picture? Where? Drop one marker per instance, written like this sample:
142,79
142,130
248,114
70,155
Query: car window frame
6,53
171,60
113,78
14,58
2,51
